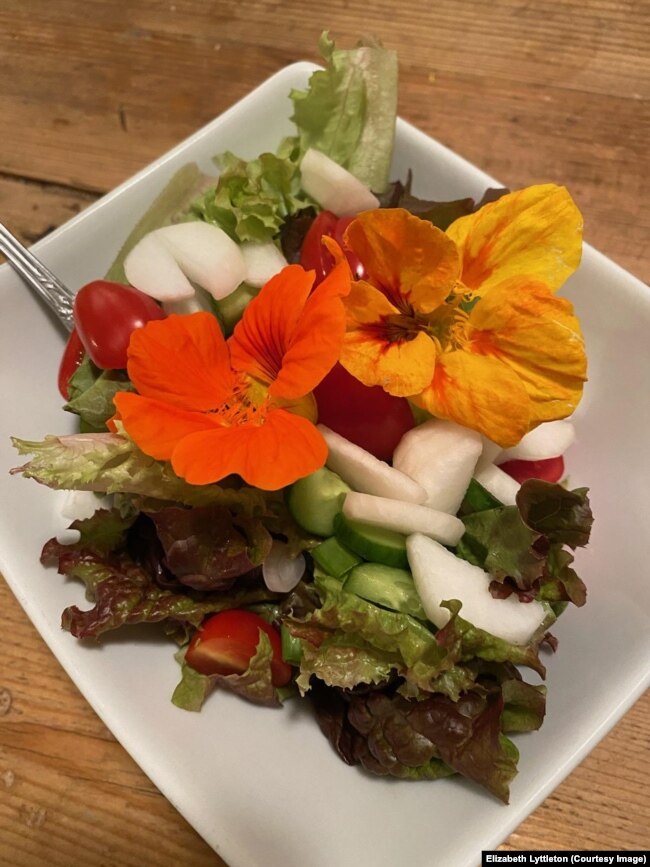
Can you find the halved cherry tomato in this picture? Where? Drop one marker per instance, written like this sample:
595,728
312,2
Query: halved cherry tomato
314,255
227,641
73,355
106,314
366,415
549,470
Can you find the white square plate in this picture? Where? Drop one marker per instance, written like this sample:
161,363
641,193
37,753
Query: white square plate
264,786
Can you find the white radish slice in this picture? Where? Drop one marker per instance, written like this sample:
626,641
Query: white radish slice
333,187
366,473
490,453
164,262
262,262
440,576
406,518
549,440
206,255
441,456
152,269
280,571
499,484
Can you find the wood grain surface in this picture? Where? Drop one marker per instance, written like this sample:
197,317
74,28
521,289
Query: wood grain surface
93,90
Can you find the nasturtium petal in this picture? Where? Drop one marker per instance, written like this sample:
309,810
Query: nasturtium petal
538,336
478,392
536,231
181,360
262,336
315,343
402,368
411,261
271,454
157,426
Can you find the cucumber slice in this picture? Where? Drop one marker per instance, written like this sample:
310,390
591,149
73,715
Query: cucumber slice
387,586
334,558
231,308
316,500
291,647
372,543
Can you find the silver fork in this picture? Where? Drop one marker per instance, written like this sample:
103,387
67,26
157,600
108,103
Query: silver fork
58,297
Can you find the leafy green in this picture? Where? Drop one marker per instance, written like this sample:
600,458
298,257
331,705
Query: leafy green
123,592
440,214
348,111
170,203
524,706
253,198
466,642
109,463
477,499
563,516
193,687
92,392
348,637
522,546
254,684
206,547
431,738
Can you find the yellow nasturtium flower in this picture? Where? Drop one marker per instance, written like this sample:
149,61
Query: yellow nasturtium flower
466,323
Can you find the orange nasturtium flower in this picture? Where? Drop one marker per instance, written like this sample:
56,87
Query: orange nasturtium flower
465,323
214,407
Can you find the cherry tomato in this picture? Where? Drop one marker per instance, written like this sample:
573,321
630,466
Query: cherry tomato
106,314
314,255
227,641
73,355
365,415
550,470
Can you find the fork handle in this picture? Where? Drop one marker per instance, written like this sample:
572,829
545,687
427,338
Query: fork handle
58,297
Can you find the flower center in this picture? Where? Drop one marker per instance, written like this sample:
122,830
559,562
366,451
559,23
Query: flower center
447,326
247,404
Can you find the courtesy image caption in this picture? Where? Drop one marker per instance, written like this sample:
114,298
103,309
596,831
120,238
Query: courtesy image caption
637,857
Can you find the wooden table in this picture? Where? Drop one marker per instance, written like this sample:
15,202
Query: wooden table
92,91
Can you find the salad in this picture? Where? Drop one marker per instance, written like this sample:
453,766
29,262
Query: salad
321,434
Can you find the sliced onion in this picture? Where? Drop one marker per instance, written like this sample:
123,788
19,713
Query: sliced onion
282,572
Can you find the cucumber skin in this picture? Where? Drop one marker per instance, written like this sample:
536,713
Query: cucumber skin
316,500
372,543
334,558
386,586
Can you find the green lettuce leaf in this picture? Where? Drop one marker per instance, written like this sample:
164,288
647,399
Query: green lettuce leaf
524,706
348,111
92,392
252,199
348,637
167,207
466,642
109,463
193,687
